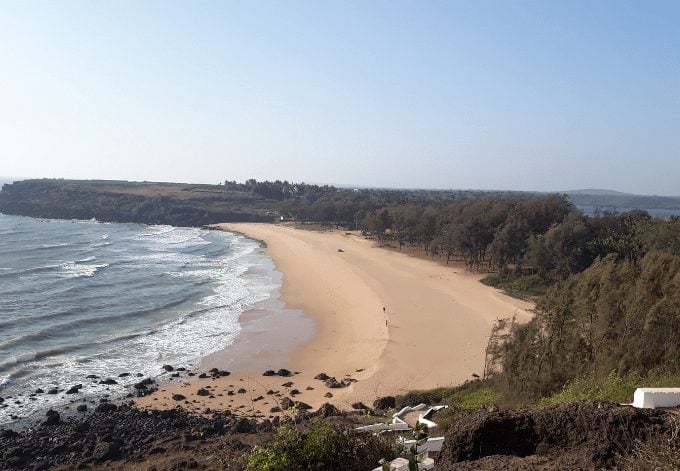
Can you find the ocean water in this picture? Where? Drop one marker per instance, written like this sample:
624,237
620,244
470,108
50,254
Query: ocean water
80,297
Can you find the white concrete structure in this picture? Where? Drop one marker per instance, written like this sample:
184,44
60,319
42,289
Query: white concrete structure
401,464
395,427
432,445
652,398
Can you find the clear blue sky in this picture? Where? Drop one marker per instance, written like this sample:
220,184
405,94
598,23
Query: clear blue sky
544,95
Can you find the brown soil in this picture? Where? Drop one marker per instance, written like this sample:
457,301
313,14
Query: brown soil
580,435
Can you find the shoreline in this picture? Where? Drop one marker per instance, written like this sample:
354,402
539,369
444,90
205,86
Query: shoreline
431,333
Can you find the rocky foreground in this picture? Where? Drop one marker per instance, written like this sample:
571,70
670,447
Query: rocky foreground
580,435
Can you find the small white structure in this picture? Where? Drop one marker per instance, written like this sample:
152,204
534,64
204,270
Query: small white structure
401,464
652,398
432,445
395,427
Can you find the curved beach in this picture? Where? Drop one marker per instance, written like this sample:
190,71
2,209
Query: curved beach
432,331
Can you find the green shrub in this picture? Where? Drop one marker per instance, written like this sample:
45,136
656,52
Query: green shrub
323,447
613,388
484,397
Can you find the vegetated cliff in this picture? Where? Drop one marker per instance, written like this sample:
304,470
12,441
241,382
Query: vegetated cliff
148,203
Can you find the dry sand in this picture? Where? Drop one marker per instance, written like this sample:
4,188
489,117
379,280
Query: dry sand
432,332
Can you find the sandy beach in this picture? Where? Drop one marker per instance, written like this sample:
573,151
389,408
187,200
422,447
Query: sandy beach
388,320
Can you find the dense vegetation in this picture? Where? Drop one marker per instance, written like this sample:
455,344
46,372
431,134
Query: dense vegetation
322,447
148,203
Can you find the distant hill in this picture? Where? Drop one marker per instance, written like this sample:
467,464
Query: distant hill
590,201
177,204
597,192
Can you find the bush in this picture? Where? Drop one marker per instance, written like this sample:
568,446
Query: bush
613,388
323,447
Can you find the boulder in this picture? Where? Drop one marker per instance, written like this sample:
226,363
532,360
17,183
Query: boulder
384,403
322,376
105,451
288,384
284,372
106,407
53,418
81,408
168,368
328,410
269,373
178,397
74,389
203,392
286,403
108,381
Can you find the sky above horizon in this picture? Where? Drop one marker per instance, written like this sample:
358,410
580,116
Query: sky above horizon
523,95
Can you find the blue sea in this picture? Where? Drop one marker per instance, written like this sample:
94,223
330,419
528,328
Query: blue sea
82,297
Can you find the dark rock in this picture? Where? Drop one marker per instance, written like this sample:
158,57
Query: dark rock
286,403
168,368
53,391
288,384
52,418
203,392
108,381
334,383
123,375
213,371
258,398
81,408
223,373
92,377
74,389
269,373
284,372
360,405
191,374
241,391
322,376
328,410
270,392
328,394
275,409
203,375
106,408
243,426
181,368
294,392
105,451
178,397
384,403
309,388
302,406
174,375
37,391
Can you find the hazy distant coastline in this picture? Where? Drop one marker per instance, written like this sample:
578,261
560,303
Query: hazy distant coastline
181,204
